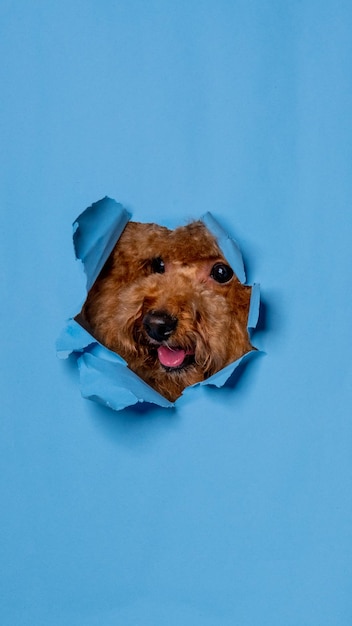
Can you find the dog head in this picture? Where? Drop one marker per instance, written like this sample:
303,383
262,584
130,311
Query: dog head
169,303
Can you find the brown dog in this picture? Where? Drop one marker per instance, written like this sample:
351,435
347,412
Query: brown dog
170,305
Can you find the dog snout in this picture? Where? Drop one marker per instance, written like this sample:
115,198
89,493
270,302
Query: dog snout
159,325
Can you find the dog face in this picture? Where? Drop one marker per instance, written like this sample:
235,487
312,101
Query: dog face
169,303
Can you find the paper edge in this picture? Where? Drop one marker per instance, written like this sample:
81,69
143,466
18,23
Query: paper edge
115,227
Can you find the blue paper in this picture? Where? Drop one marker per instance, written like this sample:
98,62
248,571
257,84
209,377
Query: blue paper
96,231
104,375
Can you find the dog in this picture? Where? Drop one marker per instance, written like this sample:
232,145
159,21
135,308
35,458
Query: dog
169,303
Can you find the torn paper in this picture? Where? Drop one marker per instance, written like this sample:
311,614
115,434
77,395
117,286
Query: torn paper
104,375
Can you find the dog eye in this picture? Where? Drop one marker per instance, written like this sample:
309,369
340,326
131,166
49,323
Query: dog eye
221,273
158,266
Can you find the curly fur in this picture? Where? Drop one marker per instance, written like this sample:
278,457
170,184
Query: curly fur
210,318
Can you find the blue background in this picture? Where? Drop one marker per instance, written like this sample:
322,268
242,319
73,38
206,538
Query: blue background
235,508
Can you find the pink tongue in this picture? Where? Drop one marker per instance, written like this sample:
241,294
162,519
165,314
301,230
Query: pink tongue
171,358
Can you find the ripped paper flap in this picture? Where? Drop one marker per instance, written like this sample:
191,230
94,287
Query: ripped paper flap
95,233
112,384
228,246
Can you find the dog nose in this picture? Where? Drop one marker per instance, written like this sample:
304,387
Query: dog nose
159,325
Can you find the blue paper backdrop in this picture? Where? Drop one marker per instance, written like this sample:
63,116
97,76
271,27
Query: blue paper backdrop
234,509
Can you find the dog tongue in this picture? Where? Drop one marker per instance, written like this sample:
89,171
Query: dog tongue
171,358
